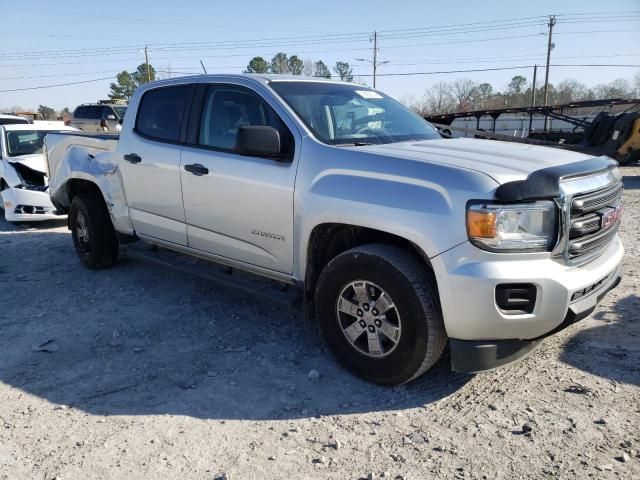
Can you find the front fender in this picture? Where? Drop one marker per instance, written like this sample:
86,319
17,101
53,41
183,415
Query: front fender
422,202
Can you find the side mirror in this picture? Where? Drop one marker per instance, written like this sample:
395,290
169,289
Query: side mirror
258,141
111,117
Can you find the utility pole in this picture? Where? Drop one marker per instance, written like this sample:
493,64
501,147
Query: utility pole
550,45
146,61
375,62
375,56
533,95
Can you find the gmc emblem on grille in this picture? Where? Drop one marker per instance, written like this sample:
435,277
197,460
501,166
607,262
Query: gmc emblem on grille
610,216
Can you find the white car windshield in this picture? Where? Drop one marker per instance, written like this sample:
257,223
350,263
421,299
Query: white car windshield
341,114
25,142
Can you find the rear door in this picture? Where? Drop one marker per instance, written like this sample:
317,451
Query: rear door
238,207
150,164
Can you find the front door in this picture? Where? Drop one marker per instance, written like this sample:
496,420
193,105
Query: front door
150,165
239,207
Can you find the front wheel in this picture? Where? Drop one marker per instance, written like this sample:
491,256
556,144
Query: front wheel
94,237
379,311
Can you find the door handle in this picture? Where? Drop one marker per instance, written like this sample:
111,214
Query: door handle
133,158
196,169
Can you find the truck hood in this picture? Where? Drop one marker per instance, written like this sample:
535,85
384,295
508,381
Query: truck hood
502,161
35,161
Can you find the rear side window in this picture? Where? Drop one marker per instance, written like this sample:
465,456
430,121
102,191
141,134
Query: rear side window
93,113
161,112
80,112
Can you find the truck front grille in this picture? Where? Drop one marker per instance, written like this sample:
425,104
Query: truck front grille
593,222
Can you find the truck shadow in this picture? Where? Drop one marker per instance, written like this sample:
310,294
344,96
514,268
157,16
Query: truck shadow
610,350
141,339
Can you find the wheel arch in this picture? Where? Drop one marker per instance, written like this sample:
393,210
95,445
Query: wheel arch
328,240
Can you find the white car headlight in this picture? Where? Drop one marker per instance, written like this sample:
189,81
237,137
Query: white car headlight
516,227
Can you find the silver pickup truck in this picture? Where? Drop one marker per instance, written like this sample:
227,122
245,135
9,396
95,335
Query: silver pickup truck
401,240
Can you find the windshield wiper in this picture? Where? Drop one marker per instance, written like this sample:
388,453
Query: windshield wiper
354,144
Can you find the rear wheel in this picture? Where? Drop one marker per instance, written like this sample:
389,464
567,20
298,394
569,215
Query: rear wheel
379,311
94,237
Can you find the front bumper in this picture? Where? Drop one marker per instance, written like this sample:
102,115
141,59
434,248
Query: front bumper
18,202
470,356
482,335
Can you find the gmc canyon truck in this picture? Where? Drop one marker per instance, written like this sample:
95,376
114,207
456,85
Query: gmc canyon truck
401,240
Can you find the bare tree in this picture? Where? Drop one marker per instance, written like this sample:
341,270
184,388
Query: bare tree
308,67
618,88
570,90
464,91
412,103
438,99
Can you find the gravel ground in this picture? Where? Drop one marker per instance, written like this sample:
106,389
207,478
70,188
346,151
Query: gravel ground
155,373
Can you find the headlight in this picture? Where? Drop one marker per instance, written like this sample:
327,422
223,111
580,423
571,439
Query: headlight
517,227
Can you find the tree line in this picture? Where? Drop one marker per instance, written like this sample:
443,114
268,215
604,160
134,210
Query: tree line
283,64
463,95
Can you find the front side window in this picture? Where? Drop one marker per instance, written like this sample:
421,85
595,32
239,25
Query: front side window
161,111
228,108
25,142
340,114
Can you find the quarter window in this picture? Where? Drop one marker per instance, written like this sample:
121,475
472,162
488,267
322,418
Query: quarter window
161,112
228,108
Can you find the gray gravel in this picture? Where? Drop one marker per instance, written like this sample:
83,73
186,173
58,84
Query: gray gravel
141,371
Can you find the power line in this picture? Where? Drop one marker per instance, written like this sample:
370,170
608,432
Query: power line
57,85
407,32
519,67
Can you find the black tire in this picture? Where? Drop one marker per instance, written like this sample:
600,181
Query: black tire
412,289
94,237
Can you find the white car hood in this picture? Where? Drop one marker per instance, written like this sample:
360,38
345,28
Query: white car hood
502,161
35,161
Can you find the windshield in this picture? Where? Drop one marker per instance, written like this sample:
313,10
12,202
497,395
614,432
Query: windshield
120,111
25,142
351,114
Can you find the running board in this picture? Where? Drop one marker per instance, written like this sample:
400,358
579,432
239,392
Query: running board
226,277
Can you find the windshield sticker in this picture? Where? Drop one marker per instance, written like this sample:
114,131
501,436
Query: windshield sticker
368,94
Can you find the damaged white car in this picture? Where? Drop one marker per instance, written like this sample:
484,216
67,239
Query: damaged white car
23,180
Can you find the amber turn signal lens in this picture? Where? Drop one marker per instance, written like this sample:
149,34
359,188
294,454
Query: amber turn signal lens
481,224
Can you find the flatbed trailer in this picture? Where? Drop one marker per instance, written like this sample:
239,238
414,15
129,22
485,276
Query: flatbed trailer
614,134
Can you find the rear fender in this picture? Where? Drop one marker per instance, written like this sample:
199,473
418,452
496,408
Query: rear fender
90,159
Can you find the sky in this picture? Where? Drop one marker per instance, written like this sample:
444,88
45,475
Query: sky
46,43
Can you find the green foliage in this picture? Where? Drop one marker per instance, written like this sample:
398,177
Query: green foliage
127,82
47,113
296,65
517,84
321,70
344,71
257,65
280,63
